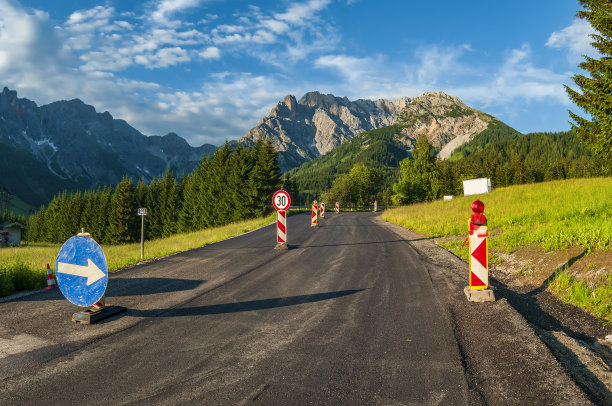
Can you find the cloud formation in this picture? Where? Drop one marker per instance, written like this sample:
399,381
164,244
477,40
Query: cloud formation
177,65
575,39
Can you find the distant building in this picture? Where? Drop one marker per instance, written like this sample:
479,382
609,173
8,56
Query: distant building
10,234
476,186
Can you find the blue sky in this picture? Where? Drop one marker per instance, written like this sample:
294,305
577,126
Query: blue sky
209,70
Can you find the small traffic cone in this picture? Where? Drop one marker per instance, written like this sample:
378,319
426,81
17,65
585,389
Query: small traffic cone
100,303
50,279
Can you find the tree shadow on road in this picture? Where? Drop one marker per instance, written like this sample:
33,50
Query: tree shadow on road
119,287
246,306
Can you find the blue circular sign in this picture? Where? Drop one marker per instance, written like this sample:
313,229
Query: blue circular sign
81,270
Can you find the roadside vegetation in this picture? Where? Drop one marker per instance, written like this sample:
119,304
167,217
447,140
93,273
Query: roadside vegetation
567,216
236,184
24,268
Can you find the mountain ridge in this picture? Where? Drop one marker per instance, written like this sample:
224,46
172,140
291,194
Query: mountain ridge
80,148
305,129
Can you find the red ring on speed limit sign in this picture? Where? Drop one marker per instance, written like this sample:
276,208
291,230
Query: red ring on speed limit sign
281,200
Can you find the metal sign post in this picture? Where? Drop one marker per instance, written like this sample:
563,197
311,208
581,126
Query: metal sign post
142,213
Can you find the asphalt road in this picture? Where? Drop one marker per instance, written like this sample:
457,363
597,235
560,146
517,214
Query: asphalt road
349,315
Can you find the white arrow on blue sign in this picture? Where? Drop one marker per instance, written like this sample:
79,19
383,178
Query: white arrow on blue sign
81,270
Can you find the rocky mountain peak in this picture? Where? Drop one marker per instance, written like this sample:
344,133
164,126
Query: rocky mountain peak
8,94
70,145
316,99
444,119
317,123
290,102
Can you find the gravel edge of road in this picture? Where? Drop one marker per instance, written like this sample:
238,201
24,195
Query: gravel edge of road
483,329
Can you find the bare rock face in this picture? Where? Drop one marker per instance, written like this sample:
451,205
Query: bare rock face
443,119
317,123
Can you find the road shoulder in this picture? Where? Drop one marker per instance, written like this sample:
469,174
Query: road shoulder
504,360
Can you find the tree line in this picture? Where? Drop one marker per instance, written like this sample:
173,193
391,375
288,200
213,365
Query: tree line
530,158
237,183
507,157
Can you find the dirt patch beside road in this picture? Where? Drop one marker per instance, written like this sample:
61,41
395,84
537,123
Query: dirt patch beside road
576,338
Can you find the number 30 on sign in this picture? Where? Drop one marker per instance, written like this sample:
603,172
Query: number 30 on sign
281,200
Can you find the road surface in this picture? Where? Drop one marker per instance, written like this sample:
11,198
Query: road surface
349,315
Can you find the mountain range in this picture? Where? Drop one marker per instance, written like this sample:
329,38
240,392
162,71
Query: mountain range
316,124
68,145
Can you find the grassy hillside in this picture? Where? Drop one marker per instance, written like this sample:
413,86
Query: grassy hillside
495,132
376,148
23,175
20,208
572,218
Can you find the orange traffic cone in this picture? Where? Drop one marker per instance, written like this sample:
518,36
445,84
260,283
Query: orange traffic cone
50,279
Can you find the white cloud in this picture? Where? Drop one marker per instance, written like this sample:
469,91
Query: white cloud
210,53
84,57
298,14
276,26
352,69
435,62
166,9
163,58
87,20
574,38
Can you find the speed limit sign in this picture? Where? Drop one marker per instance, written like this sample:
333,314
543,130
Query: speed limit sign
281,200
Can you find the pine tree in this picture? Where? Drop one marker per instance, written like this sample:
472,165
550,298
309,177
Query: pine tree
88,211
220,208
291,187
265,177
205,198
170,204
237,184
154,220
101,224
595,93
123,213
188,216
36,224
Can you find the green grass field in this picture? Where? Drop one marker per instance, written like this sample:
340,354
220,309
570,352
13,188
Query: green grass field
25,268
551,216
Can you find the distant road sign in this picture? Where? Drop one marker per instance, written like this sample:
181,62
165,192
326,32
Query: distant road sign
81,270
281,200
142,212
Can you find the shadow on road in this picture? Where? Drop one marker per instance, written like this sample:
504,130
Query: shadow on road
243,306
119,287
